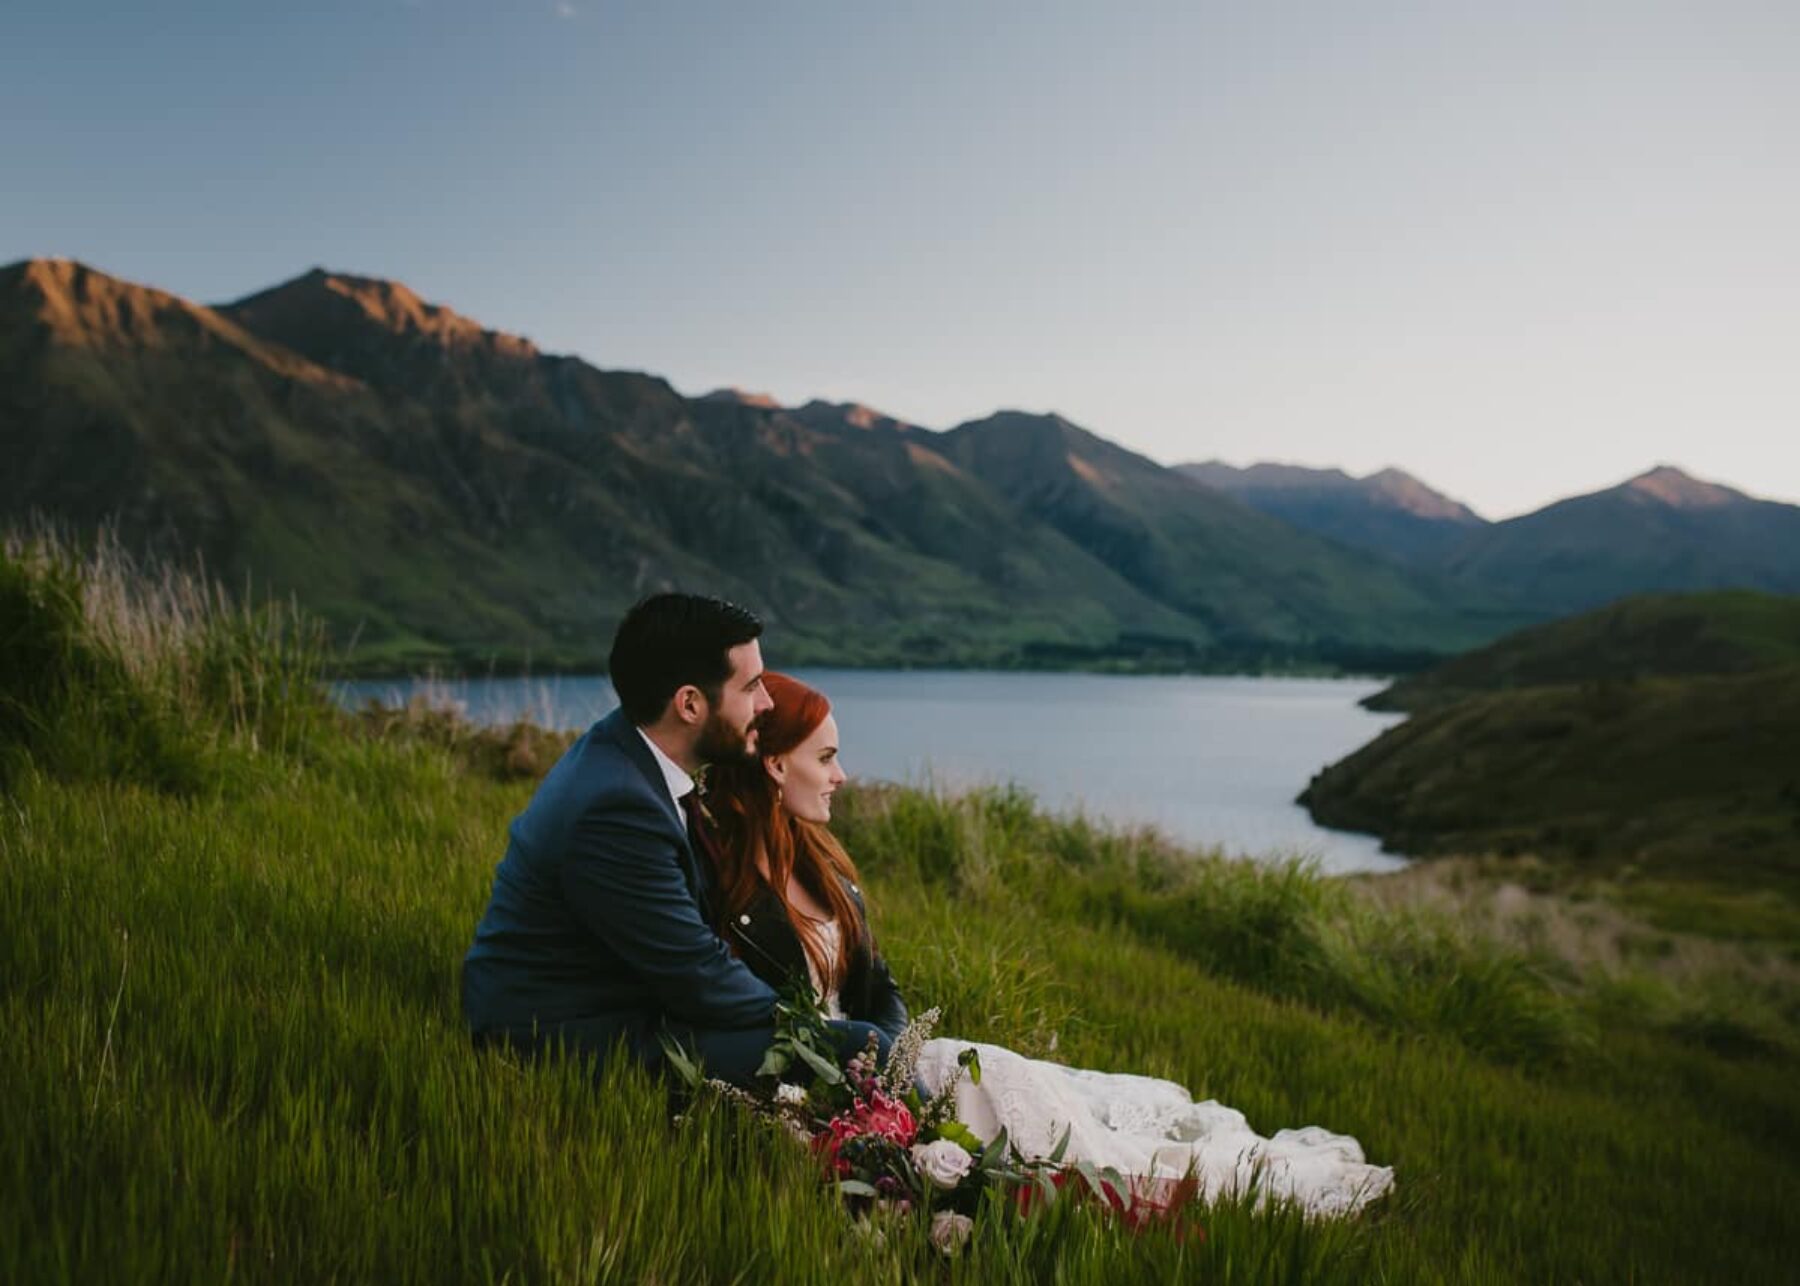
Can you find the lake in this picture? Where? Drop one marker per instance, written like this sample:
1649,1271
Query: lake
1208,760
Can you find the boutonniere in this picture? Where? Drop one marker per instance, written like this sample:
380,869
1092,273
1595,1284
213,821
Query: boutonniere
700,796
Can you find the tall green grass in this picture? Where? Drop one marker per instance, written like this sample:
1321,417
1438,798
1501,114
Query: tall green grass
1277,927
233,1052
112,670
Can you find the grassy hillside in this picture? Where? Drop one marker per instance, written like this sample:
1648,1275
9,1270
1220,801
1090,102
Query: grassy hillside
1670,635
229,975
1695,779
1654,740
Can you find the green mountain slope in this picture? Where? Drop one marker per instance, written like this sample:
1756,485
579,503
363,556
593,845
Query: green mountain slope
1694,778
439,491
131,406
1249,576
1390,513
1726,632
1662,531
1661,732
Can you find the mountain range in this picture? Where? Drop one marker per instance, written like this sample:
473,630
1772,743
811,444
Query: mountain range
1662,531
1390,513
441,492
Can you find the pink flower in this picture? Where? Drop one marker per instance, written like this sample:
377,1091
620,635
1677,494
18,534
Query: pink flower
890,1118
877,1115
828,1140
950,1231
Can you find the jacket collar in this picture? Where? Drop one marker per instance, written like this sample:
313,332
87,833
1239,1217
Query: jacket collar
674,776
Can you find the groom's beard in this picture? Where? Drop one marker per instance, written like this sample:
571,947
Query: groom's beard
720,743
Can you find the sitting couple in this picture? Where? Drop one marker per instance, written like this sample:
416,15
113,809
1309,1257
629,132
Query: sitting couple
626,908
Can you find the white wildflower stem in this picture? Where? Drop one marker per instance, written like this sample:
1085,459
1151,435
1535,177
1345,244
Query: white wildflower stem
726,1089
943,1104
903,1063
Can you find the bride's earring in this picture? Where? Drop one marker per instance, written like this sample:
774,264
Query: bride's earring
778,794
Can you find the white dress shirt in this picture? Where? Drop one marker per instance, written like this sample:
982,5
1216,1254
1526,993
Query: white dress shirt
677,780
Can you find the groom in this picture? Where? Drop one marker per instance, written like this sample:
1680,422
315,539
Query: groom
598,934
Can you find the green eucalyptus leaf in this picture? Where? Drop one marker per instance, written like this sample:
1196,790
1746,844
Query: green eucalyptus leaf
961,1134
855,1188
827,1071
996,1151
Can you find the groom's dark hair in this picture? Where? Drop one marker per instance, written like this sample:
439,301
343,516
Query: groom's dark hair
668,641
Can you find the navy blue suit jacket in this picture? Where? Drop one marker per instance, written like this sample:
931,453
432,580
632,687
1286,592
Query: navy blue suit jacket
598,925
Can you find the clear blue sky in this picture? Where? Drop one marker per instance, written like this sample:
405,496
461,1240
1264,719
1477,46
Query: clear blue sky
1522,250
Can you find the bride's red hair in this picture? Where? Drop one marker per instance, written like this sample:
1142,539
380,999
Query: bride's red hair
763,845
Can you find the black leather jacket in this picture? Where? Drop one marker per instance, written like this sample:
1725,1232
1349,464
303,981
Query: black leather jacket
766,942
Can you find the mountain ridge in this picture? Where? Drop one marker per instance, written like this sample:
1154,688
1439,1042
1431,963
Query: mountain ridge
451,491
383,302
1679,489
1660,531
450,488
83,308
1390,513
1392,486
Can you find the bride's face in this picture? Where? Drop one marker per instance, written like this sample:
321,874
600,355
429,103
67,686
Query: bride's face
809,774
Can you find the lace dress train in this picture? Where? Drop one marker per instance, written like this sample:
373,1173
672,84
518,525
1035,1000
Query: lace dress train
1152,1131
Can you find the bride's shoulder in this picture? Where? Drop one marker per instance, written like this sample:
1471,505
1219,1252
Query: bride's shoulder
856,896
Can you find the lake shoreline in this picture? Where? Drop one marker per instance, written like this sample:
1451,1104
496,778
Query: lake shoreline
463,669
1211,761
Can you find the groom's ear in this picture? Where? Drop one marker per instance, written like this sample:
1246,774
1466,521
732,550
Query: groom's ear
689,704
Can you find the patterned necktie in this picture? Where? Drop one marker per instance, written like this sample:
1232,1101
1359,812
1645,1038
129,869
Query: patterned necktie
700,836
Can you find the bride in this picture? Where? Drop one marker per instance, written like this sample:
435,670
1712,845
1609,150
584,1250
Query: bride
790,901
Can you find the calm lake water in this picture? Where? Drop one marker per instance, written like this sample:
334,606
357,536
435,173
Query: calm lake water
1208,760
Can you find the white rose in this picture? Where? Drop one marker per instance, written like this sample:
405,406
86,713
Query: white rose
790,1095
949,1230
943,1162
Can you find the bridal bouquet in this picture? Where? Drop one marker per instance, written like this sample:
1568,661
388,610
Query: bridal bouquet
892,1151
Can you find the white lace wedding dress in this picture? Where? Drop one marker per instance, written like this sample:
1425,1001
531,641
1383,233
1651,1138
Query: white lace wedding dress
1151,1131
